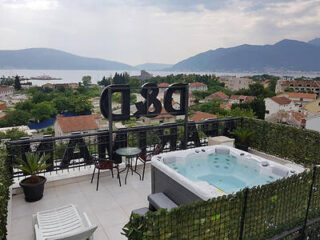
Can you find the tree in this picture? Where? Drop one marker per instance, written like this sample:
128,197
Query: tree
27,105
61,103
105,81
43,111
13,134
86,80
80,104
17,84
257,106
18,118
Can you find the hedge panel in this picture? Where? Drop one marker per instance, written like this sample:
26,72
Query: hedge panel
298,145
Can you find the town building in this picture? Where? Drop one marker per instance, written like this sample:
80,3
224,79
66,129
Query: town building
217,96
144,76
197,86
240,99
235,83
6,91
313,123
164,117
84,123
201,116
277,104
298,86
293,118
313,107
300,98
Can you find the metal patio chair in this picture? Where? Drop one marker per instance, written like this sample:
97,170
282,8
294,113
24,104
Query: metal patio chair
104,164
64,223
146,157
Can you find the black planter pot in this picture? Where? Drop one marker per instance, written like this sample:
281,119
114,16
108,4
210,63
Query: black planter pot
241,147
33,192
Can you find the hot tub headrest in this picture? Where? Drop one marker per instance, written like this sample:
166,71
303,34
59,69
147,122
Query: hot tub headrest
222,150
280,171
169,159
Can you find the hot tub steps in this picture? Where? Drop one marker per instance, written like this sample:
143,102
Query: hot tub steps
160,201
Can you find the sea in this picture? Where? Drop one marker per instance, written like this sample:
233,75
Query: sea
75,76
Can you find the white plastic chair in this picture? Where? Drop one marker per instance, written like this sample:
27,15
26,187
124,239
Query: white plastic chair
64,223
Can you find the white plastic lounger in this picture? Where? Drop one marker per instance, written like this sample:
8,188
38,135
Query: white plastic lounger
64,223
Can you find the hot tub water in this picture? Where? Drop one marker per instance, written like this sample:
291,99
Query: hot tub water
224,171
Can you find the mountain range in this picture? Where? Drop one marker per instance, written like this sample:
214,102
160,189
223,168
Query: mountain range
284,55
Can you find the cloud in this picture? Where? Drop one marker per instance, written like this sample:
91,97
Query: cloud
137,31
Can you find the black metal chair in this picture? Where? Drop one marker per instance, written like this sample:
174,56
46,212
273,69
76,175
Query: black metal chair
146,157
105,164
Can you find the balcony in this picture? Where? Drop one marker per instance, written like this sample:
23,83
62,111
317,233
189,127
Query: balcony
111,206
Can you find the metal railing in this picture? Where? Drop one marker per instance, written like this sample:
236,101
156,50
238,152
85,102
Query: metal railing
79,151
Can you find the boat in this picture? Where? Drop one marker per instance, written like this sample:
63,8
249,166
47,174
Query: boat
44,77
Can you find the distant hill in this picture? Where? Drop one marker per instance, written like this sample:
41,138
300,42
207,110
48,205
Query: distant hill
46,58
315,42
153,66
284,55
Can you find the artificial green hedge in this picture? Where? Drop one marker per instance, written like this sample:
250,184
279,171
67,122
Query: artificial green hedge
269,210
298,145
5,182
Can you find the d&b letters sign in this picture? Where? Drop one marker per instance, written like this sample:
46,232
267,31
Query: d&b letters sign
149,92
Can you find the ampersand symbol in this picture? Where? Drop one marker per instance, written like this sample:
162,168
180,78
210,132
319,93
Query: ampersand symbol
150,92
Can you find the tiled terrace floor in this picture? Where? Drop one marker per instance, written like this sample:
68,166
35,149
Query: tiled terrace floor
109,208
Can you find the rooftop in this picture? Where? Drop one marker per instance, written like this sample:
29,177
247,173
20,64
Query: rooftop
200,116
109,208
281,100
78,123
300,95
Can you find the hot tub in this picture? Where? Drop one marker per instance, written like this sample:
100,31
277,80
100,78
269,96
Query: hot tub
208,172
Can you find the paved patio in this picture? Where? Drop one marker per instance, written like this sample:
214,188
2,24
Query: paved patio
109,208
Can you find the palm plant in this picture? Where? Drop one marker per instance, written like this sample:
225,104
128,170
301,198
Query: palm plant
33,165
243,136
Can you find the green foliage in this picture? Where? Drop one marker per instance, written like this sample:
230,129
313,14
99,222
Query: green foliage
213,107
257,90
243,135
17,84
298,145
270,209
33,164
43,111
13,134
105,81
257,106
86,81
18,118
5,182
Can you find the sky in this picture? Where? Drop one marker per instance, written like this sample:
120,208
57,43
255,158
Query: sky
161,31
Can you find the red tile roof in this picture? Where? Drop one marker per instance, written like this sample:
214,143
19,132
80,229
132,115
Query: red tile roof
78,123
163,114
200,116
197,84
302,83
219,95
301,95
281,100
163,85
242,97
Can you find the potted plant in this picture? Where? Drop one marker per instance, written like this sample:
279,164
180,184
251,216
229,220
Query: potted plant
243,137
33,186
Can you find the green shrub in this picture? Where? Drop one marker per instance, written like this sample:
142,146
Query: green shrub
298,145
5,182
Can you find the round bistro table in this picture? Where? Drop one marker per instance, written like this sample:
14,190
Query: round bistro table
129,153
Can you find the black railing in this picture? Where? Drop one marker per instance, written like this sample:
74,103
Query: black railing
78,151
